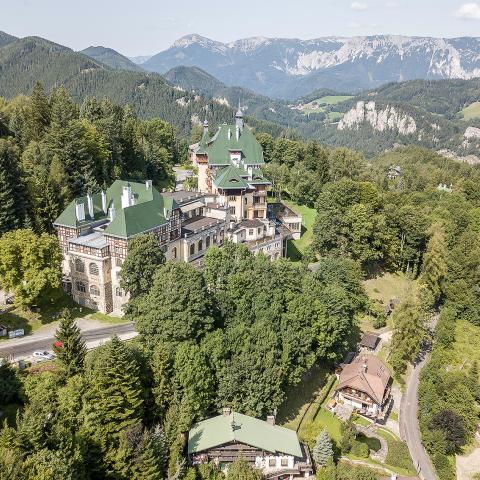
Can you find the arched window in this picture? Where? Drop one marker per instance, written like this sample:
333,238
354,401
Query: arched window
192,249
79,265
200,245
80,286
174,252
94,290
118,292
93,268
207,242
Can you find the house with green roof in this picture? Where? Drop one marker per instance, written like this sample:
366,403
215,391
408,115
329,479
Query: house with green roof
273,449
94,232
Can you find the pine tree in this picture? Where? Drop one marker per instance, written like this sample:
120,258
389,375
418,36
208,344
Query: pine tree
435,263
70,349
323,450
39,117
148,465
115,399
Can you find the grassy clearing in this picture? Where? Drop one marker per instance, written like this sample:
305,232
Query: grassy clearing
32,320
332,99
472,111
101,317
299,398
296,248
372,442
387,286
465,350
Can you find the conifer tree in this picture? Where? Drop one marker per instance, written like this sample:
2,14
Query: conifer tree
435,263
115,399
323,450
148,465
39,117
70,347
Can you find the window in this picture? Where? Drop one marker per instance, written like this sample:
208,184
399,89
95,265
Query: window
118,262
232,197
192,249
79,266
80,286
118,292
174,252
207,242
214,238
232,210
284,462
250,231
200,245
245,200
272,462
93,269
94,290
259,230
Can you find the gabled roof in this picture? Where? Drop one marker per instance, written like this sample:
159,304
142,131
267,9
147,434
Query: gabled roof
368,374
150,210
237,427
230,178
225,140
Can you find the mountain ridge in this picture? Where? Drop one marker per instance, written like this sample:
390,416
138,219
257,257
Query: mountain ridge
290,68
111,58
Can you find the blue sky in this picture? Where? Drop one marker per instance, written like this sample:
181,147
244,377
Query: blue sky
147,26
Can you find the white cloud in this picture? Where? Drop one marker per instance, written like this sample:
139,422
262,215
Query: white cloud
469,11
359,6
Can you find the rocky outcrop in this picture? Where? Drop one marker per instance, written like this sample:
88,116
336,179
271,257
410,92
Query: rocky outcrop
472,133
381,119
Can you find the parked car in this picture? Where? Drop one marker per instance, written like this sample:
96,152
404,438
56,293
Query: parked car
43,355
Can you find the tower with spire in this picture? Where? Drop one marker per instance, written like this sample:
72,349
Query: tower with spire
239,117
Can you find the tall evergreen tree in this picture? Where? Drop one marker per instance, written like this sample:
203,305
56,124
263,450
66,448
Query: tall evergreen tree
435,263
39,117
323,451
69,347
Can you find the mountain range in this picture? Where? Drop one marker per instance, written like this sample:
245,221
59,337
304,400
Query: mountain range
289,68
440,114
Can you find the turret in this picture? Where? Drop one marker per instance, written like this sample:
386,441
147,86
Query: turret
239,118
205,127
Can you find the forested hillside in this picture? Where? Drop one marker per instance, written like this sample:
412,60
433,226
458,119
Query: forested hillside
31,59
111,58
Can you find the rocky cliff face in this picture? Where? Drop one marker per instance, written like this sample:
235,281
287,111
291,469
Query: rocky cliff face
291,67
380,119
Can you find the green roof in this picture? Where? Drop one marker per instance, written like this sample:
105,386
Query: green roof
240,428
148,212
219,146
230,178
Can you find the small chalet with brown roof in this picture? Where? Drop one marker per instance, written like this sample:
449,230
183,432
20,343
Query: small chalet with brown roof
365,384
369,341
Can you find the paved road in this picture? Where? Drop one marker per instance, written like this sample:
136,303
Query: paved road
409,424
18,348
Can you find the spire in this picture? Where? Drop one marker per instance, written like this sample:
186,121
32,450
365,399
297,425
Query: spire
239,117
205,122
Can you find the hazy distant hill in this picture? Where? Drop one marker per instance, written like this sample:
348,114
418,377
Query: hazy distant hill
111,58
5,39
290,68
31,59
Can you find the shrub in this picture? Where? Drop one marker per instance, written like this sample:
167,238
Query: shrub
398,455
379,322
360,449
443,467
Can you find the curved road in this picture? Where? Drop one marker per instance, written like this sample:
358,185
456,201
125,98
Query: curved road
23,347
409,424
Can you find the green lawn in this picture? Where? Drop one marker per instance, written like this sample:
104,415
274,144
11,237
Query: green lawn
372,442
32,319
299,398
107,318
387,286
472,111
296,248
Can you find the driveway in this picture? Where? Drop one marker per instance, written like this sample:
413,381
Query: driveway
468,465
409,424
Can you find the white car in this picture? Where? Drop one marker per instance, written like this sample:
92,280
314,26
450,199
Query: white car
43,355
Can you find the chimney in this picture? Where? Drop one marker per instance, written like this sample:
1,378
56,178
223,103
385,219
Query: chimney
127,196
80,211
271,419
104,202
205,127
226,411
111,212
237,132
90,205
229,134
148,184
